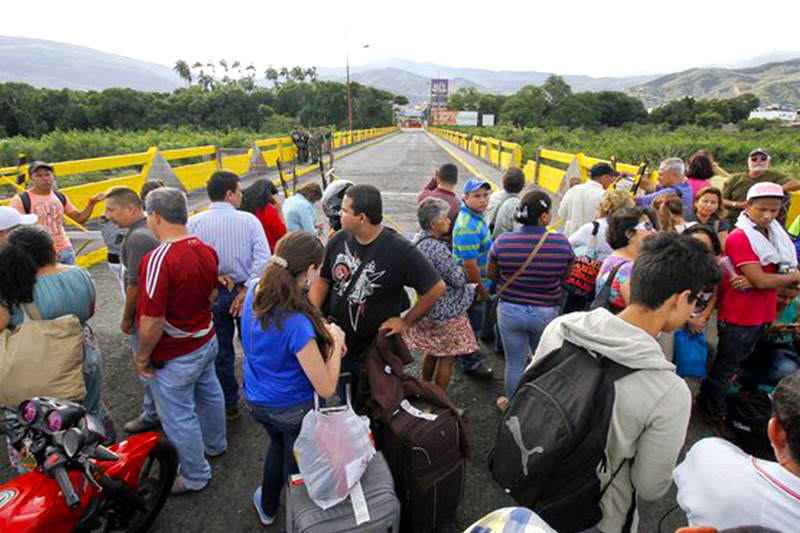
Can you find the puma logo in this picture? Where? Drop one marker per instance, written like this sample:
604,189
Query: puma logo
516,432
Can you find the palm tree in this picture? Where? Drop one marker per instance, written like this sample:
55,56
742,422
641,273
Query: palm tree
311,72
284,73
298,74
272,75
237,65
224,64
182,69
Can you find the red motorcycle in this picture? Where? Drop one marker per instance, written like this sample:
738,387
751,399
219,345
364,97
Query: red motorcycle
77,484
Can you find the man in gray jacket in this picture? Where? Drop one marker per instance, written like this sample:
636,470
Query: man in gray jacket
673,278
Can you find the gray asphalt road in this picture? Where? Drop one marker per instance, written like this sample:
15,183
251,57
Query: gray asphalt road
399,166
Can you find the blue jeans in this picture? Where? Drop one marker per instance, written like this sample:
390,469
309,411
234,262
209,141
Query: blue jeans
736,343
770,363
192,411
148,404
283,426
226,326
67,256
476,313
521,327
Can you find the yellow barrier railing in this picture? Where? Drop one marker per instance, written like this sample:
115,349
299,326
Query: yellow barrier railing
192,175
497,152
551,177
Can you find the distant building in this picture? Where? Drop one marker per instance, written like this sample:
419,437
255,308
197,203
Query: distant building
787,115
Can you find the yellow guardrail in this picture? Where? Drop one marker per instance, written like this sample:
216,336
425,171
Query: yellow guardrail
550,177
497,152
191,175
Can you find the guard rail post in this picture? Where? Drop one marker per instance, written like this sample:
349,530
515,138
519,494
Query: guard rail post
536,168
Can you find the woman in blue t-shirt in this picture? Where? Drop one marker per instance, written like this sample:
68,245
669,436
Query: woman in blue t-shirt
290,352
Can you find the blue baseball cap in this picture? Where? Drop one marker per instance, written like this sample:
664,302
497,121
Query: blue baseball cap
473,184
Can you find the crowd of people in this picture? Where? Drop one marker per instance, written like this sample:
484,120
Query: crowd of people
697,253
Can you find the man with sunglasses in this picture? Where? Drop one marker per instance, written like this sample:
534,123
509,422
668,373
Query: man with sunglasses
764,260
734,192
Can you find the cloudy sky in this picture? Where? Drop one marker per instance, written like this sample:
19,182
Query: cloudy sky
597,38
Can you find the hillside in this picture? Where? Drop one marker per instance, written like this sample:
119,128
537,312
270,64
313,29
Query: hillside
503,82
773,83
60,65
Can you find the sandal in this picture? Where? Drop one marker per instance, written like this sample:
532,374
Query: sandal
179,487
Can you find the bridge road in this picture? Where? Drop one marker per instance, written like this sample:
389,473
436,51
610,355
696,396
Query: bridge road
399,165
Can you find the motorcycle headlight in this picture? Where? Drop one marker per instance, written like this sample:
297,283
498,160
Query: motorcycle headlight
72,442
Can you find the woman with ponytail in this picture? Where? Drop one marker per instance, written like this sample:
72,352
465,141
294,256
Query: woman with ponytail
31,274
290,352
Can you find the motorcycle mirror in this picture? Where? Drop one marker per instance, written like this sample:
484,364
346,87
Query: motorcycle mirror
72,441
101,453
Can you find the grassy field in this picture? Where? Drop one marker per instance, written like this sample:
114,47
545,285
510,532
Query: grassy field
631,143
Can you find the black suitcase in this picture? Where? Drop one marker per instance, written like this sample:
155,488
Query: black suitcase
421,445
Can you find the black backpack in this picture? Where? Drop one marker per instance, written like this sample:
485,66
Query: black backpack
749,412
25,198
552,438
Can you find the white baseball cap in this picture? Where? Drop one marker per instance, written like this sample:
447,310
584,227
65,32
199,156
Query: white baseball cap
10,217
765,189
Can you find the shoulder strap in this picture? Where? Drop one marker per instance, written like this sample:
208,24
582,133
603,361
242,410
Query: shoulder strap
25,198
525,265
31,310
61,198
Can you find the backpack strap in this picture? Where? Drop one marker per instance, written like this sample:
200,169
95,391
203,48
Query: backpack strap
595,228
61,198
525,265
25,198
497,212
615,370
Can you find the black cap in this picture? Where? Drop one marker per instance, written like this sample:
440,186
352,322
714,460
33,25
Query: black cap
601,169
36,165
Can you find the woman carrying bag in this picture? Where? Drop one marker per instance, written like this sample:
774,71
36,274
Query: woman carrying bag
528,265
290,353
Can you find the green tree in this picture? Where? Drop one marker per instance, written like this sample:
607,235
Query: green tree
577,110
617,108
182,69
525,108
272,75
556,90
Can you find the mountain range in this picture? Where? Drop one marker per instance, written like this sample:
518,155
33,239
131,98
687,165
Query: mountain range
58,65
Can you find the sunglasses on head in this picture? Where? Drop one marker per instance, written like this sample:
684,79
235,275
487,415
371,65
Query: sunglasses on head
700,301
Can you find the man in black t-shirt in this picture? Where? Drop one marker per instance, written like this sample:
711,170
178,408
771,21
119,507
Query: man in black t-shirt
376,300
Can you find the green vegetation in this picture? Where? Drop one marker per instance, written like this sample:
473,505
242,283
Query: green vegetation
212,104
554,104
636,141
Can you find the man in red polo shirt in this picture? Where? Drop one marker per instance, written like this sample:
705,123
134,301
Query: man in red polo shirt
442,186
764,260
177,342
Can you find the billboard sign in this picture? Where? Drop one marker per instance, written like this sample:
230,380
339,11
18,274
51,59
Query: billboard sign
467,118
445,117
488,120
439,93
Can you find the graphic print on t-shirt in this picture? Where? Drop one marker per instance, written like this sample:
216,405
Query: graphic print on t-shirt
343,268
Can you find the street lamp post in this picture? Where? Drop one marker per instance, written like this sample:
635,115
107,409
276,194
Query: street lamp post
349,98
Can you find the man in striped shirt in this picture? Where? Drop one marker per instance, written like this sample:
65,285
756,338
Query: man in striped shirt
243,251
177,346
471,244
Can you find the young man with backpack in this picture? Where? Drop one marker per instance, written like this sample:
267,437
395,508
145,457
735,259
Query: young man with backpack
600,416
50,206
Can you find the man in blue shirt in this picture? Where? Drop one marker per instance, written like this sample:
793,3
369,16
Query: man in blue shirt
472,241
298,209
243,252
671,179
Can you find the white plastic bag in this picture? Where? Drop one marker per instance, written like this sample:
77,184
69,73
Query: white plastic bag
332,452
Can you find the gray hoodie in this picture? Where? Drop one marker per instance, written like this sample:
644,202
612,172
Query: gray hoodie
651,409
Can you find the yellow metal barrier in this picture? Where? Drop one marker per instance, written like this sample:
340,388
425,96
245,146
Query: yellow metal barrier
497,152
192,176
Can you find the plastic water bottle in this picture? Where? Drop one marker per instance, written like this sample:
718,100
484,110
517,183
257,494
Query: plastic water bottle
727,265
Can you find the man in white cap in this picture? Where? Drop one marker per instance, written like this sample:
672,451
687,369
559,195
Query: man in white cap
10,218
764,260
